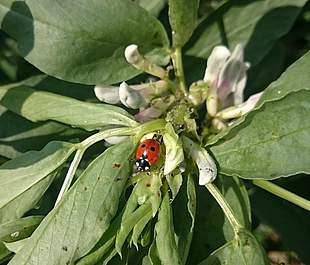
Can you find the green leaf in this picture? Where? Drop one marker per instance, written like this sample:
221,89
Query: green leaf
174,180
24,180
165,236
18,135
295,78
77,223
80,41
244,250
174,150
48,106
17,245
139,227
19,228
15,231
184,212
212,228
128,224
183,20
154,6
255,24
272,142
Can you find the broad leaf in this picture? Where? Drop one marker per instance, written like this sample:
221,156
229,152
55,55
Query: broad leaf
212,228
255,24
18,135
23,180
295,78
184,213
16,231
82,41
165,236
154,6
272,142
183,19
84,214
244,250
48,106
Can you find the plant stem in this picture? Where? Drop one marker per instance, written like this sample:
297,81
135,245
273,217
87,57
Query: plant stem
282,193
70,174
225,207
178,69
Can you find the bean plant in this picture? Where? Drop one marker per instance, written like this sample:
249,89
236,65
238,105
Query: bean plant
104,75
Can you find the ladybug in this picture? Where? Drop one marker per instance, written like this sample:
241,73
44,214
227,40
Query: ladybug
147,154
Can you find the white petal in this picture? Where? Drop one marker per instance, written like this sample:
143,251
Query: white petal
215,63
241,109
238,89
158,107
130,97
132,54
205,163
233,77
251,102
108,94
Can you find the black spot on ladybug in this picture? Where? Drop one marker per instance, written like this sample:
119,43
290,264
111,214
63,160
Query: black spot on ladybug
152,149
64,248
143,145
148,184
116,165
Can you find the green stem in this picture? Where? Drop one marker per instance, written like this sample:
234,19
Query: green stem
70,174
283,193
225,207
178,69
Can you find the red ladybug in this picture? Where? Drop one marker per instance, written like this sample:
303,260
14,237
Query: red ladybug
147,154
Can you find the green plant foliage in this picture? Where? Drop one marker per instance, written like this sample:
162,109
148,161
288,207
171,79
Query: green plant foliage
183,19
90,205
255,24
213,229
243,250
27,177
271,137
91,42
133,132
89,116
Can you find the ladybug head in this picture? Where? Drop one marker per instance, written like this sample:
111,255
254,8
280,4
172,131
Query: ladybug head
142,164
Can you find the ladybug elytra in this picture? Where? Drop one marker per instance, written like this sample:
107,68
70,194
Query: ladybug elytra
147,154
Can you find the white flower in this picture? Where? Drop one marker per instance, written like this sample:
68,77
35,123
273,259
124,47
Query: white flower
203,160
131,98
226,76
226,73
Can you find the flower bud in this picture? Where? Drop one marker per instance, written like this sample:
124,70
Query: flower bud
134,57
107,94
130,97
